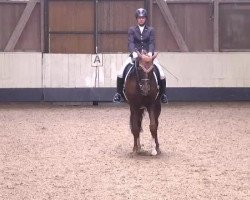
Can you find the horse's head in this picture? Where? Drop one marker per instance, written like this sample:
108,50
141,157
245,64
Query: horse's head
146,61
146,64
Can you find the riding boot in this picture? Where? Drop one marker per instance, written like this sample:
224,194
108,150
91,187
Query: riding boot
163,94
118,96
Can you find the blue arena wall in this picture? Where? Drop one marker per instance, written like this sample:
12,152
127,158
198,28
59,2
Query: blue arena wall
106,94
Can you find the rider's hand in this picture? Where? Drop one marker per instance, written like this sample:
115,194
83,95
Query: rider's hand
135,55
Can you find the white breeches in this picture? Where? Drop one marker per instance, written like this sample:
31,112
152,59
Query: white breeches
158,65
129,60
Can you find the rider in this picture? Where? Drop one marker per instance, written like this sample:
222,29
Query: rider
140,38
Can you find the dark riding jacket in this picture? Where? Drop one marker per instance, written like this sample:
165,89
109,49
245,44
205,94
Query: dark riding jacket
138,41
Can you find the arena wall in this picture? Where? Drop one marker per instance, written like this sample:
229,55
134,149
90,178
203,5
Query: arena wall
71,77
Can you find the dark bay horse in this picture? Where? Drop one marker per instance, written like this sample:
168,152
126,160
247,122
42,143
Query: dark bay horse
142,92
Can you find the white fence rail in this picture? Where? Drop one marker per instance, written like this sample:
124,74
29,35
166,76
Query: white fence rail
37,70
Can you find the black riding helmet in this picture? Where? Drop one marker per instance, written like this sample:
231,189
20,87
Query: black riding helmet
141,12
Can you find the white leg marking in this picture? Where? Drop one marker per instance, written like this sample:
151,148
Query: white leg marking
153,152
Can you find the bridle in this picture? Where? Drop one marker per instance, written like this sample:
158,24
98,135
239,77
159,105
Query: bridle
143,82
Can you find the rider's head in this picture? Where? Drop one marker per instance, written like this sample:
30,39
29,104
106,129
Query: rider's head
141,16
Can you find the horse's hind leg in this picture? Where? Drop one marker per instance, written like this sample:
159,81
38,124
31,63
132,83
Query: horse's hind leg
135,123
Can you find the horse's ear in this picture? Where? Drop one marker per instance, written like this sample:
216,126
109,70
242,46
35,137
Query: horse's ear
155,55
139,54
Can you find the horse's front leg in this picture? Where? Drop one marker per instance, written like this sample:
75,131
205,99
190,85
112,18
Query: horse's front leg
154,113
135,125
154,142
137,145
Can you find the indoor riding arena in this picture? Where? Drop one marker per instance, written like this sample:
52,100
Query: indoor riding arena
85,152
62,137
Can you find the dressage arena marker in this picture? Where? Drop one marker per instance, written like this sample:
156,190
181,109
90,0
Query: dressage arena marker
96,60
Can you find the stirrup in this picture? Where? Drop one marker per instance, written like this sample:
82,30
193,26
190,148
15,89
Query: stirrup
164,98
117,98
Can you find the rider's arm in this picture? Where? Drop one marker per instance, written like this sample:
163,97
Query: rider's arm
131,43
152,41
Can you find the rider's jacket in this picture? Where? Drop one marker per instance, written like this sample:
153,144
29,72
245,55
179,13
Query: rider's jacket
138,41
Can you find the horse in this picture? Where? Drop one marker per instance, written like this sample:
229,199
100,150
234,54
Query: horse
141,91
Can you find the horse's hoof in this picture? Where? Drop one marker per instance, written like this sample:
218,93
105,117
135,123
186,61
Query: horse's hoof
135,151
154,152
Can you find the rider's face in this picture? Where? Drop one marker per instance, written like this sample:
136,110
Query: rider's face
141,20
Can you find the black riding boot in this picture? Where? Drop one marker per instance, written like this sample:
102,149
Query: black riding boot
163,95
118,96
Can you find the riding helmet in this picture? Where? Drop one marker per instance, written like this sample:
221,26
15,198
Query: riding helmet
141,12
